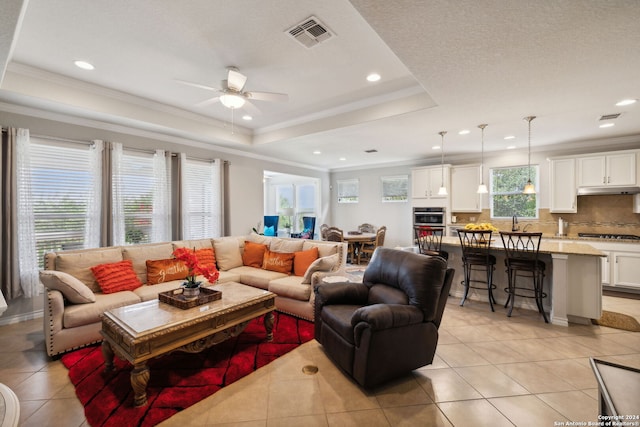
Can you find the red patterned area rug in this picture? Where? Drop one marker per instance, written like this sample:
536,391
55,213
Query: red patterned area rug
178,380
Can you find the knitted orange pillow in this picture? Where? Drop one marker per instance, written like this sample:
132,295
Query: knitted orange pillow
206,257
116,277
278,261
303,259
165,270
253,254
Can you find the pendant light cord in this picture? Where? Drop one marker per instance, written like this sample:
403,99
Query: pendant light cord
442,134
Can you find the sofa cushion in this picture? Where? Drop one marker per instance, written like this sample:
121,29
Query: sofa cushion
85,314
228,276
326,263
290,287
116,276
73,289
146,292
78,264
165,270
256,277
253,254
228,254
139,254
324,249
282,245
281,262
258,238
198,244
303,259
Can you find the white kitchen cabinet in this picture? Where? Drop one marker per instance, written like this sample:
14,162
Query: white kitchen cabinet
562,178
609,169
626,269
464,189
425,182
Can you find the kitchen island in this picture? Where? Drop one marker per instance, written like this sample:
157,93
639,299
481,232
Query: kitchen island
572,281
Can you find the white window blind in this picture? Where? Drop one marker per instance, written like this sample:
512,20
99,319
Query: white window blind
348,190
395,188
62,184
201,207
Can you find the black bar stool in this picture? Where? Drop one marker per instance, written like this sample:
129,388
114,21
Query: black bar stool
522,251
476,257
429,240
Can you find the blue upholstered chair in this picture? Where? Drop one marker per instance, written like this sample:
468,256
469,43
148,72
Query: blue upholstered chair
271,225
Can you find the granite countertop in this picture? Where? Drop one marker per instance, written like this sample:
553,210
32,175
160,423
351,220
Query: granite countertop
546,247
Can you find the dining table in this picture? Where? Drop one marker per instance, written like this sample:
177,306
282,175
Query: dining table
355,240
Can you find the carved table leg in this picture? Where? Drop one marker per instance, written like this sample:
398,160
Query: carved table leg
139,379
268,325
107,354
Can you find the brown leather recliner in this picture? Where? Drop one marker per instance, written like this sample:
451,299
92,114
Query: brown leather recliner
386,326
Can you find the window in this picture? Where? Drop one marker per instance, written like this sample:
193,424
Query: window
201,207
506,192
62,188
348,190
284,205
395,188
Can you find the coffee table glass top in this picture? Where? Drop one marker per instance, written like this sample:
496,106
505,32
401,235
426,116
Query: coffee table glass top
147,317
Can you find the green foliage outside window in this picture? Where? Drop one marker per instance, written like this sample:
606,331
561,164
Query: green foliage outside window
506,192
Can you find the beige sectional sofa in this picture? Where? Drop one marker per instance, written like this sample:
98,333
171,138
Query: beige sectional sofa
72,312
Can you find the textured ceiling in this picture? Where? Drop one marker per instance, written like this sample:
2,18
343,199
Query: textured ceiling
445,65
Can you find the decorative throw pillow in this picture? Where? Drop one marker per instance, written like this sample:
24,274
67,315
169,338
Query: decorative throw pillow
116,277
72,289
281,262
303,259
269,231
253,254
165,270
227,251
326,263
206,257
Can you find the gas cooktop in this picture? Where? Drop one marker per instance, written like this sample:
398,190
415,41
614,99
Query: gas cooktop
610,236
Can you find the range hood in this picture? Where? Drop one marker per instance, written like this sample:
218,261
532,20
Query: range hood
591,191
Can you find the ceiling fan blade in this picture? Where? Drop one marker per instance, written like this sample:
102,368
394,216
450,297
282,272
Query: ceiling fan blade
208,101
236,80
251,109
213,89
267,96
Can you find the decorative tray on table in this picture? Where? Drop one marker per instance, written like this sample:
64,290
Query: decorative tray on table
177,299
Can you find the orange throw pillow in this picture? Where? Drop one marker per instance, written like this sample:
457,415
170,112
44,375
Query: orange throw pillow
165,270
116,277
253,254
206,257
278,261
303,259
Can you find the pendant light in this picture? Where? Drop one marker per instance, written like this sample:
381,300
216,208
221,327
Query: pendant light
482,189
529,188
443,190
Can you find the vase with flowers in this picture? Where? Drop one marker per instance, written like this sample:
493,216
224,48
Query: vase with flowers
191,287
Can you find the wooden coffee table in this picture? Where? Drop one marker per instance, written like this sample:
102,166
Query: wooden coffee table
150,329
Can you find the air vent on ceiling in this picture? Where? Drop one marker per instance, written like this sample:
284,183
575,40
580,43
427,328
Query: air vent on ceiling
610,116
310,32
373,150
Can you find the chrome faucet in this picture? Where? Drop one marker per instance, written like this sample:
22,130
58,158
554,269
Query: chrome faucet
514,222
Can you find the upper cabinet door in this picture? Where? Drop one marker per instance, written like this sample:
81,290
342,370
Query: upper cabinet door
425,182
562,177
621,169
420,183
611,169
464,189
592,171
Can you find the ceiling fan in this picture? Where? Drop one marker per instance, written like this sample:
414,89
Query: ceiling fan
232,95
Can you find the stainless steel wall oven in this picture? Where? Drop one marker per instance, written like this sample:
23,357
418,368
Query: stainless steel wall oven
429,216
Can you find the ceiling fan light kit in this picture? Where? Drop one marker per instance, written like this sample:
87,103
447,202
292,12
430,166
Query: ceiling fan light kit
232,101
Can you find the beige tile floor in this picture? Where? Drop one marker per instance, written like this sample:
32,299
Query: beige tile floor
489,370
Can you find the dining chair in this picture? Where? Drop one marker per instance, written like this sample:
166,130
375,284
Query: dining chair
522,261
429,240
476,245
323,231
367,228
367,249
335,234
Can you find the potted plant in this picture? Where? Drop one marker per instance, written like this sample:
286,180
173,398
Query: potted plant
191,287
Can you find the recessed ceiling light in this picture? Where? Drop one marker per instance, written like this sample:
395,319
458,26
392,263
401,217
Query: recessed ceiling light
508,137
84,65
607,125
626,102
464,132
435,147
316,152
511,147
247,117
373,77
342,159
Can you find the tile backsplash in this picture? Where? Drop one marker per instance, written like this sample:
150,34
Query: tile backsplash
596,214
